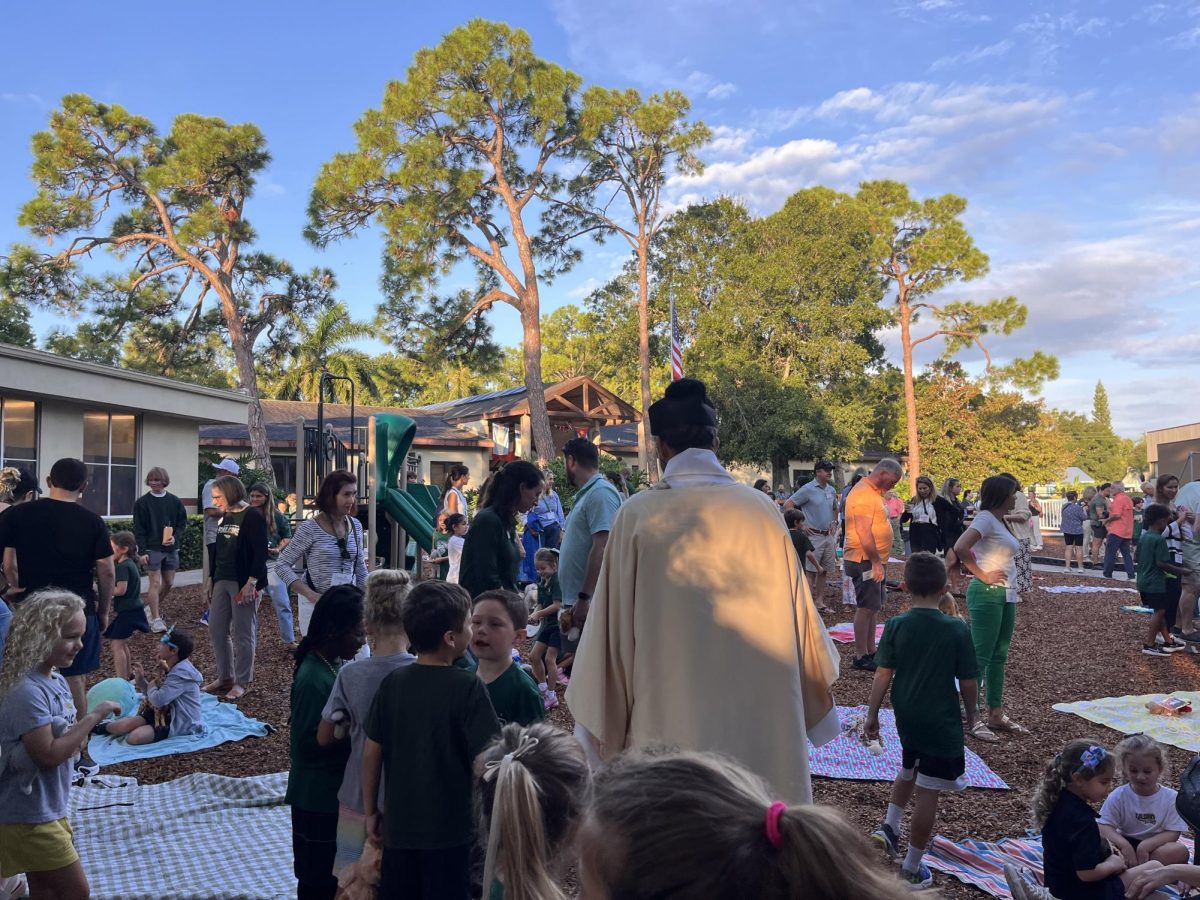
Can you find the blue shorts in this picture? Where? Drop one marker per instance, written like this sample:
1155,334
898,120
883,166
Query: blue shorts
88,659
126,622
551,637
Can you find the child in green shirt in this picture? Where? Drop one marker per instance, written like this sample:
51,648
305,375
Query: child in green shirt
548,640
496,617
128,614
1153,564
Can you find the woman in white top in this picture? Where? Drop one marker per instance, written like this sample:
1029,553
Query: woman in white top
1035,520
1019,519
454,498
988,549
921,516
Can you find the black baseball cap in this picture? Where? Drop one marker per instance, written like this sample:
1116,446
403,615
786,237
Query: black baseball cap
824,464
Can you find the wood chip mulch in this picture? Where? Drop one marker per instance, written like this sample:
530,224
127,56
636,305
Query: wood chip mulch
1066,647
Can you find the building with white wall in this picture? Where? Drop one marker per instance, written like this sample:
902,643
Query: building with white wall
121,423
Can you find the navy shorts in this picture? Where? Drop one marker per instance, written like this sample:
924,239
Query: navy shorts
88,659
936,773
161,732
126,623
1156,600
550,637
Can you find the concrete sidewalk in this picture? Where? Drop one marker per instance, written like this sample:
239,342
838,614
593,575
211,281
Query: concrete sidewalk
182,579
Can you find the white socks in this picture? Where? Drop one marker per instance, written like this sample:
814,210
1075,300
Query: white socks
895,815
912,859
543,687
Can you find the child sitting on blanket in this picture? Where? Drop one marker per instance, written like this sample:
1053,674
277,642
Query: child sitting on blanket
35,836
1139,817
168,711
681,824
924,650
334,634
527,842
353,692
1079,864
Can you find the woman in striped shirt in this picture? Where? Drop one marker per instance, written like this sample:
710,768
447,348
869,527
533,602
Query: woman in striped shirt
330,545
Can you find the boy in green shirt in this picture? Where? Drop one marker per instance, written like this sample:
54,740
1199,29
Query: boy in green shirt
1153,564
924,650
496,618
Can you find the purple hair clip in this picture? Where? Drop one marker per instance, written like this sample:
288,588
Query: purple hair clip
1093,757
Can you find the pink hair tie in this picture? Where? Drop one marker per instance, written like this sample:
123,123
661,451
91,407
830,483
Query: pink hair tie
771,824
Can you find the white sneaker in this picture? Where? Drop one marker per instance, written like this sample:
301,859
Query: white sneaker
550,700
158,626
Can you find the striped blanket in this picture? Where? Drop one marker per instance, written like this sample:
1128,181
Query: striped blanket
981,864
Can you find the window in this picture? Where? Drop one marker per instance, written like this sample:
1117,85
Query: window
110,451
18,434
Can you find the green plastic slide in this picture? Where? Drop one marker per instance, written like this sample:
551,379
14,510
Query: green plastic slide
393,438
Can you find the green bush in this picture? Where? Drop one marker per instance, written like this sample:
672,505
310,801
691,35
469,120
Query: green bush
191,545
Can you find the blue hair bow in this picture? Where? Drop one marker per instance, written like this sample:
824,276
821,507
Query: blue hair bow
1092,757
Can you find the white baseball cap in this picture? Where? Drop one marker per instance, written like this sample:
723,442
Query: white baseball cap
228,465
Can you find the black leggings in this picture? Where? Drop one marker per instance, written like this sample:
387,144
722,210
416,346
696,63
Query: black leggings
314,845
442,874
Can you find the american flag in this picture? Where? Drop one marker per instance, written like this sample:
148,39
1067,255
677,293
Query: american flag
676,349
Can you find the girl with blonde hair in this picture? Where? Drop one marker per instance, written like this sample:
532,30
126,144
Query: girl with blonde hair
38,715
700,825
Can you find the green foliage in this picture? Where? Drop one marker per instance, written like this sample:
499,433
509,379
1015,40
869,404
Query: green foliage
321,346
14,323
567,491
1095,447
191,543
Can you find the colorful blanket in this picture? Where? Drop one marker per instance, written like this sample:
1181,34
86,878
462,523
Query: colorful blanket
845,756
223,722
981,864
843,632
1137,609
1129,715
198,836
1086,589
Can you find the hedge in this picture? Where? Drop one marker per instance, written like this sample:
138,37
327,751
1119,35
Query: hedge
191,545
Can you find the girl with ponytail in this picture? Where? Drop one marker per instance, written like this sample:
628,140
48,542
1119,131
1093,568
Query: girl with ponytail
699,825
533,786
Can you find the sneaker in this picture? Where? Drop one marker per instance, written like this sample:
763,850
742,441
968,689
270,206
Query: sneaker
158,626
865,663
1192,637
563,680
1154,650
100,730
550,700
1174,646
920,880
203,619
887,839
1159,640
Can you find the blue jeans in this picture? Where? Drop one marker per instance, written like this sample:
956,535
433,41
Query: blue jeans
1112,544
5,624
282,604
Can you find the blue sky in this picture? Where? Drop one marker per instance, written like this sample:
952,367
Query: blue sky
1072,128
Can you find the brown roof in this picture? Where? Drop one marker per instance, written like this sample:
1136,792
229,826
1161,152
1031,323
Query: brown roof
577,398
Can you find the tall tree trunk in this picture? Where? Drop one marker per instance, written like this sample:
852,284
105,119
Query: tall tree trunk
910,394
539,418
243,353
647,457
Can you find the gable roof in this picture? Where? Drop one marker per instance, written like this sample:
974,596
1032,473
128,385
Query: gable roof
575,398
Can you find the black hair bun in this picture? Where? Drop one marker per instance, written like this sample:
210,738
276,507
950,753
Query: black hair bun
687,389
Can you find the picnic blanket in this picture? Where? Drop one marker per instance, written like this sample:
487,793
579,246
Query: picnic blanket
981,863
1086,589
1129,715
843,632
199,836
223,722
846,758
1137,609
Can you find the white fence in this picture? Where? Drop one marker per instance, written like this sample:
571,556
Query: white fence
1052,514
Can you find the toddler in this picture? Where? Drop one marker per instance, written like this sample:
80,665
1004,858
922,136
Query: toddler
527,842
496,618
794,519
168,711
1139,817
348,704
127,601
700,825
548,640
35,836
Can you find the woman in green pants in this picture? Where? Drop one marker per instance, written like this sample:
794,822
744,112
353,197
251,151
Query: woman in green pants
988,549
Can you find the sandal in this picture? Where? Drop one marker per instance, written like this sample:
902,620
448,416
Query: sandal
216,687
1008,725
237,692
981,732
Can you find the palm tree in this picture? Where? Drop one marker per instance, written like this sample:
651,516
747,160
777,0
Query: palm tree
321,346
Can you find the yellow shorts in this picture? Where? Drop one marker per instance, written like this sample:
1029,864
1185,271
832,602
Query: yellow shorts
36,848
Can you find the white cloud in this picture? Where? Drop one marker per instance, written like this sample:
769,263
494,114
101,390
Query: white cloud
857,100
722,91
974,55
19,97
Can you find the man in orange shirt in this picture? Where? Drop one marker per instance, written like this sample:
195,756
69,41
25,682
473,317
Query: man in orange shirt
868,544
1120,532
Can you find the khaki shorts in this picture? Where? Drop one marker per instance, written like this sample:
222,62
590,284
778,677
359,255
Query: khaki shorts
43,847
1191,559
825,550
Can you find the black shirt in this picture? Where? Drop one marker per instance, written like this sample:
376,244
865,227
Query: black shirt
432,722
57,544
1072,843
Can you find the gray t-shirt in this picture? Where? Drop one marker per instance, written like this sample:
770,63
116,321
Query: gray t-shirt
595,507
817,503
206,503
353,692
35,701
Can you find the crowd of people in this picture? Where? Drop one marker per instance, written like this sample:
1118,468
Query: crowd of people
421,761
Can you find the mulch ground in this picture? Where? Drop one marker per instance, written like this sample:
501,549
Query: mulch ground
1066,647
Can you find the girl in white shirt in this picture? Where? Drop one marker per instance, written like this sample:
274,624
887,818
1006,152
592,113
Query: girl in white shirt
456,524
988,549
1139,817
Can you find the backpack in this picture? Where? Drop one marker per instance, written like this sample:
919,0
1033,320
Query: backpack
1187,803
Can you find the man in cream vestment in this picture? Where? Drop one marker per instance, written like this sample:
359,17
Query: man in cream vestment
703,634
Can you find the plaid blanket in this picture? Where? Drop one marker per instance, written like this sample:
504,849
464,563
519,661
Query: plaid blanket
845,757
981,863
201,836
